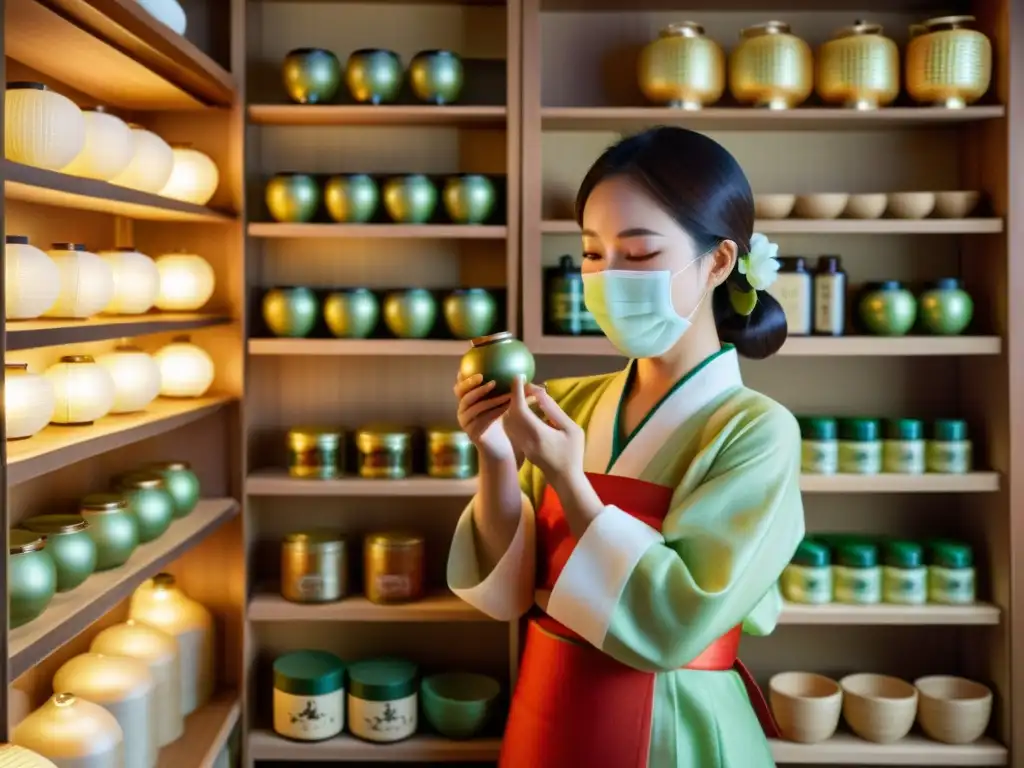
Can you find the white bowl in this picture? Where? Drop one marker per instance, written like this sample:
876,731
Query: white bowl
821,206
911,205
773,206
866,206
956,205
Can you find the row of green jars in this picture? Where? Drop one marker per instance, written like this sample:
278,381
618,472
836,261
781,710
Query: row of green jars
861,446
862,571
54,553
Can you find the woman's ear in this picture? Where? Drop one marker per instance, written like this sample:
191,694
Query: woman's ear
722,262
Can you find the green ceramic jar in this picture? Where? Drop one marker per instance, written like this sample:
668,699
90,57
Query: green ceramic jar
308,683
951,573
888,309
31,577
373,75
352,313
183,484
410,199
290,312
904,575
903,447
946,308
436,76
351,199
949,451
469,198
410,314
311,75
857,576
459,704
382,699
112,527
499,357
292,198
567,312
150,501
819,445
470,312
808,577
70,546
860,446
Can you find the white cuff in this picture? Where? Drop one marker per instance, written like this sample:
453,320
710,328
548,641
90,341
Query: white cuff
506,593
589,587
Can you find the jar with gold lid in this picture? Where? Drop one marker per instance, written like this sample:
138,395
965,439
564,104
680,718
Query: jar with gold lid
69,544
73,731
315,452
948,62
450,454
682,68
384,452
13,756
112,527
771,67
150,502
182,483
858,68
393,567
314,567
31,576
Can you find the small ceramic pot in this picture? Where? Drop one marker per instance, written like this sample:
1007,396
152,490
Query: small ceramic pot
292,198
352,313
290,312
459,704
373,75
888,309
351,199
68,542
311,75
31,576
182,483
410,199
469,312
436,76
112,527
469,199
150,502
946,308
410,314
499,357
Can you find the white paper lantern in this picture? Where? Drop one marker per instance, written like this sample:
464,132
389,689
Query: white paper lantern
186,282
108,147
83,389
86,282
136,378
31,279
185,369
136,281
168,12
28,401
41,127
194,177
151,165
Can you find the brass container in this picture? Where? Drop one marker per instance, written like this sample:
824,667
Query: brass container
436,76
351,199
314,567
373,75
858,68
469,198
292,198
393,567
499,357
470,312
290,311
315,452
311,75
682,68
352,313
771,67
451,455
384,452
948,63
410,199
410,314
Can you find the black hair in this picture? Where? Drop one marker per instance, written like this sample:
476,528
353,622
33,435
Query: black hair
703,188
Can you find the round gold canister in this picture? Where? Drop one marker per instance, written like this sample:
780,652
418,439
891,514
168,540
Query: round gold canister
315,452
948,63
771,67
858,68
393,567
314,567
682,68
384,452
451,455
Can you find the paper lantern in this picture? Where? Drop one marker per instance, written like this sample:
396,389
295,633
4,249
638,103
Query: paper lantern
86,282
108,147
151,164
82,388
136,281
31,279
74,731
136,378
185,369
41,127
13,756
167,12
28,401
186,282
194,177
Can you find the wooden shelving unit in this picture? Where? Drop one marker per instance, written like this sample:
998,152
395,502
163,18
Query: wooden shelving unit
358,347
440,606
978,226
846,749
267,745
33,334
206,733
380,231
359,114
271,482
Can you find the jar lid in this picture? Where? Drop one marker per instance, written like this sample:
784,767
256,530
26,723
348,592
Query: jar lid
817,427
122,348
948,22
829,265
382,679
172,466
393,539
792,264
21,541
164,579
103,502
10,367
812,554
858,28
309,673
858,430
307,51
56,525
16,239
904,429
857,555
951,554
77,359
142,481
949,430
390,435
768,28
494,338
888,285
315,539
67,247
26,85
904,554
683,29
470,292
946,284
448,434
321,435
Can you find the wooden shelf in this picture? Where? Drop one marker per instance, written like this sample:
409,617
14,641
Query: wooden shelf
71,612
206,733
374,231
840,227
115,52
269,606
358,347
836,613
847,749
267,745
57,446
629,119
974,482
31,334
37,185
277,482
457,115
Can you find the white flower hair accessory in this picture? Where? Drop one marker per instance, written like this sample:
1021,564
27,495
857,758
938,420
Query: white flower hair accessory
761,265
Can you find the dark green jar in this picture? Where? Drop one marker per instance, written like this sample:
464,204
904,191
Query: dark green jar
383,699
112,527
567,312
311,75
150,501
499,357
31,576
69,545
182,483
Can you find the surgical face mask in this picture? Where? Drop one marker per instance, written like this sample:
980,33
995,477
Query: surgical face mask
634,309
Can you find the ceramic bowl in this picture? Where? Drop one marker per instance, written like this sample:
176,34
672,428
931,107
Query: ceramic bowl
458,704
806,706
911,205
773,206
866,206
878,708
953,710
956,205
820,206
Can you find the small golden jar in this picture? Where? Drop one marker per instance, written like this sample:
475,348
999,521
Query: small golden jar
450,454
384,452
315,452
858,68
393,567
771,67
314,567
948,63
682,68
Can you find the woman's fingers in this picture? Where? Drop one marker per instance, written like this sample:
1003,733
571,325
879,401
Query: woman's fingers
551,409
471,412
476,394
464,385
519,394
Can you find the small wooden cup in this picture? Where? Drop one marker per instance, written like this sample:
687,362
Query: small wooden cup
878,708
806,706
953,710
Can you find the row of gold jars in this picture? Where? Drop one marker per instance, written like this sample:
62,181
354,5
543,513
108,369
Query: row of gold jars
948,63
315,567
381,452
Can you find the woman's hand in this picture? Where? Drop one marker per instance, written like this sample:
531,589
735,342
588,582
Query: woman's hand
480,417
555,448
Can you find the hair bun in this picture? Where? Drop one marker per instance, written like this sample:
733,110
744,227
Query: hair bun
756,336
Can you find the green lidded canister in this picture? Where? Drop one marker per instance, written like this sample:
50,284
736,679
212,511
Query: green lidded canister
860,446
383,699
819,448
567,311
904,575
69,544
31,576
951,573
309,695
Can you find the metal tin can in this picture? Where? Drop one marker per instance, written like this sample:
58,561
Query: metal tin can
314,452
450,454
314,567
393,567
385,452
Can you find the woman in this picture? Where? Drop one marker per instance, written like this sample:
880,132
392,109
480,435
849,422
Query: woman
657,506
